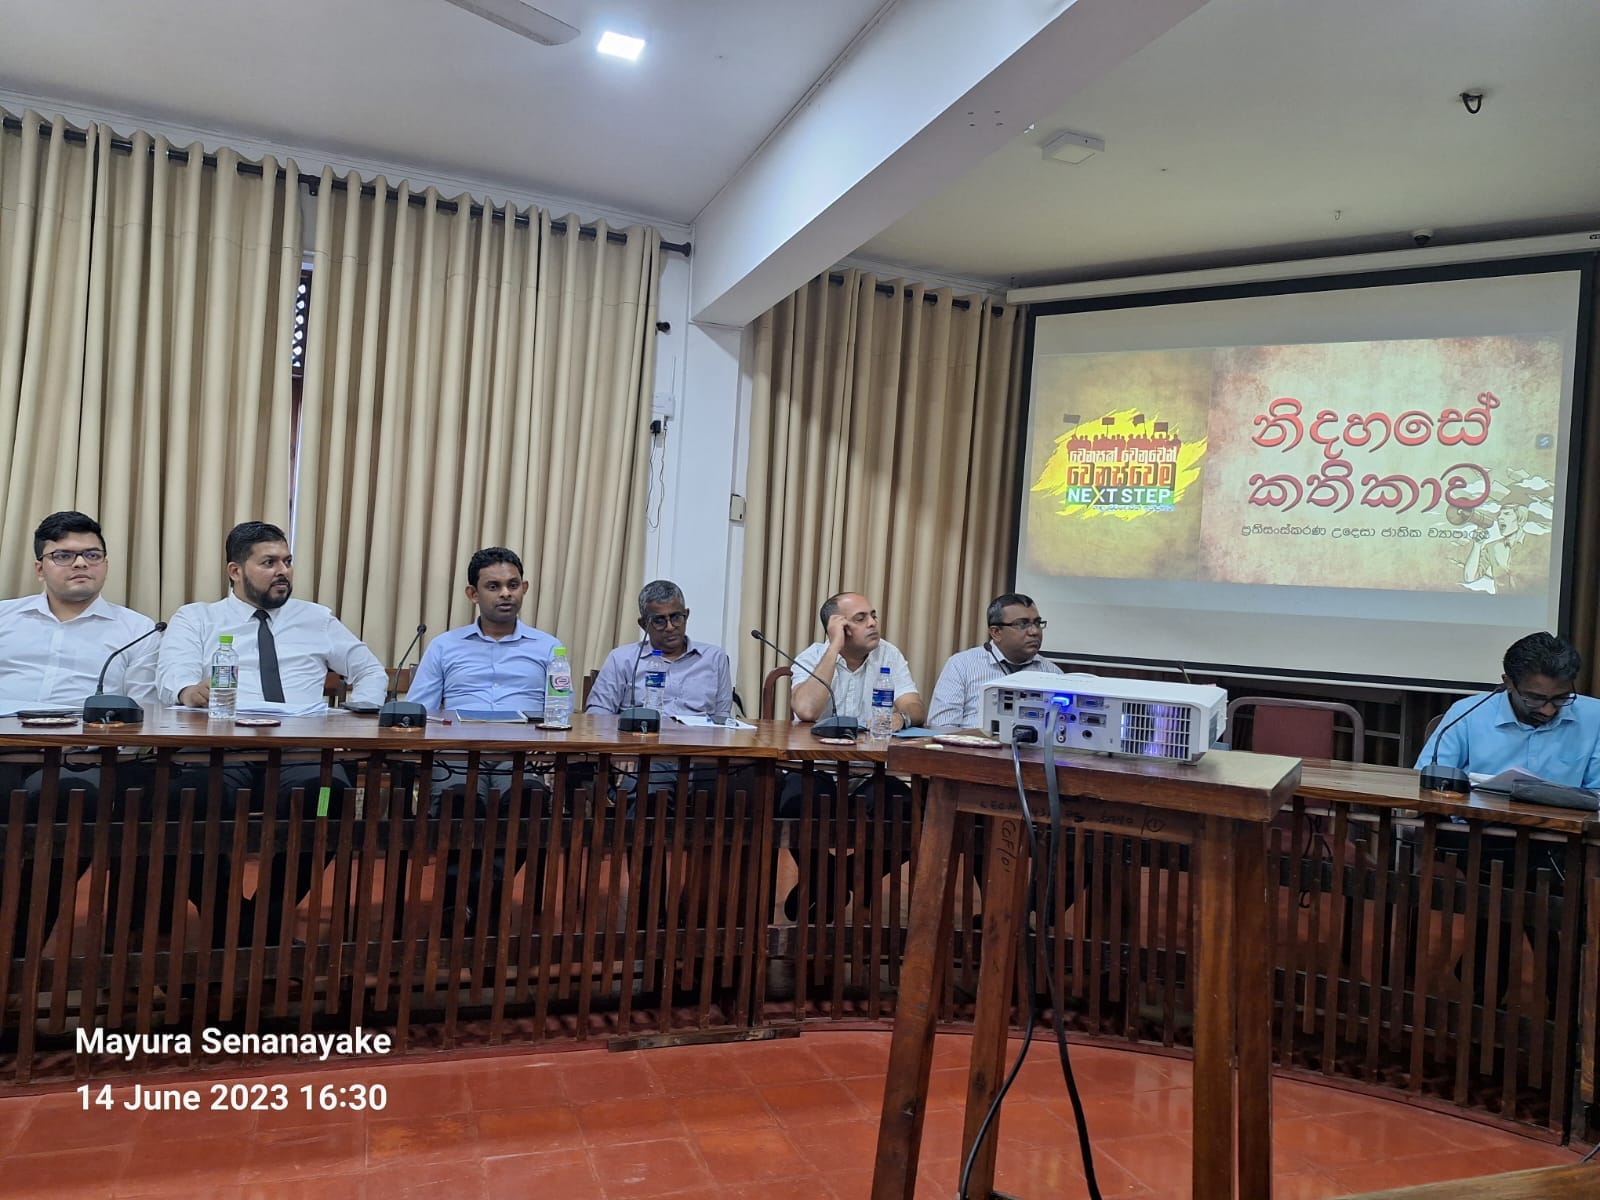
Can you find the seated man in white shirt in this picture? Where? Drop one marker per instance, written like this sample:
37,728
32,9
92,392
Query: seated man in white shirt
53,645
1016,632
286,648
845,669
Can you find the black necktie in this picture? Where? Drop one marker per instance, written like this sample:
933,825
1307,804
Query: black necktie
267,646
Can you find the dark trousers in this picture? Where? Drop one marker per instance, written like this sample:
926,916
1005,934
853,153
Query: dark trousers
237,776
491,798
830,882
1542,856
662,807
87,779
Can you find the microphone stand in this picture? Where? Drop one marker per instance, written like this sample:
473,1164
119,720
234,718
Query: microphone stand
101,709
1436,778
834,726
397,713
638,718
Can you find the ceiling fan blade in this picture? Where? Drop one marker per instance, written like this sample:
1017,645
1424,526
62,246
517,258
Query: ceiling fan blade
530,22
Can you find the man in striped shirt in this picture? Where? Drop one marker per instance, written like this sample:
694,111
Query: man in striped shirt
1016,632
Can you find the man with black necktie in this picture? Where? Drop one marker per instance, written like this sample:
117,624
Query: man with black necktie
286,648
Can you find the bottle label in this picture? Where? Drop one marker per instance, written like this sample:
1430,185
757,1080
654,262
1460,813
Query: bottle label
655,679
882,697
224,675
560,679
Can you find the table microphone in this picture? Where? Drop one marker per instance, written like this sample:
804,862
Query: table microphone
1435,778
101,709
834,726
397,713
638,718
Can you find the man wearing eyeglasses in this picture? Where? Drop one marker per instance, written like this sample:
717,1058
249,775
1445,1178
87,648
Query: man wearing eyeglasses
699,680
1016,632
699,683
1538,722
52,647
53,643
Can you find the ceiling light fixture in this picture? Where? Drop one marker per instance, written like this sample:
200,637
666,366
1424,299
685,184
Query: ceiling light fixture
620,45
1074,148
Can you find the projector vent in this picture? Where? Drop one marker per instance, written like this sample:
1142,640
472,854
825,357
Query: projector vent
1156,730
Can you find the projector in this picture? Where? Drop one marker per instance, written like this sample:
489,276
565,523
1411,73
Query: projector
1132,718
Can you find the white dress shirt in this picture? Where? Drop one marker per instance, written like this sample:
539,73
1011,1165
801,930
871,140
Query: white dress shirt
311,641
854,688
49,663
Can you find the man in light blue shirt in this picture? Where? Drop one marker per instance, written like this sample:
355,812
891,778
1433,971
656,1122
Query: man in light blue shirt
699,680
496,662
1537,722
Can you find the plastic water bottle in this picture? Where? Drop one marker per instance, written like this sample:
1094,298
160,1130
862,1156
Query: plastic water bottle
883,705
558,692
655,680
224,679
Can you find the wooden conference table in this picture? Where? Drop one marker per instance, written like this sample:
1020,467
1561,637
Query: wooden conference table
656,915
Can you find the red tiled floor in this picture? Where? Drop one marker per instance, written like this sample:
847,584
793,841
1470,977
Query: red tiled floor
785,1120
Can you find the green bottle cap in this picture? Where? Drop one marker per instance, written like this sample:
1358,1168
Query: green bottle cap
226,639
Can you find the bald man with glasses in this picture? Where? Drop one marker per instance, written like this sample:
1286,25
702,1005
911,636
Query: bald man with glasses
1016,632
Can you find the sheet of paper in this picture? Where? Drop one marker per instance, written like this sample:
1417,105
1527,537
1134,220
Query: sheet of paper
701,722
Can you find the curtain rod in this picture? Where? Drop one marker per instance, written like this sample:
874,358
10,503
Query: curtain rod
314,182
888,289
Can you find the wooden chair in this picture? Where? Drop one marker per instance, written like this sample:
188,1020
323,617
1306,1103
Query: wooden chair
769,692
1298,728
1432,725
588,686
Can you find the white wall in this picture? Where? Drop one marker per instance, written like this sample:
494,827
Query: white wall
690,538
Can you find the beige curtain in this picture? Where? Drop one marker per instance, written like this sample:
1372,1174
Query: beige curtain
46,227
471,383
883,434
145,310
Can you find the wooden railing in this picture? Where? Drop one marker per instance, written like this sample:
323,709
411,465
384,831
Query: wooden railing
1449,962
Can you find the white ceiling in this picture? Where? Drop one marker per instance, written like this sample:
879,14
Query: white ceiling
1264,129
1255,129
425,84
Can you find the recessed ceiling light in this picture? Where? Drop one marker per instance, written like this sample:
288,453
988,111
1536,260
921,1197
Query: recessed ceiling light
620,45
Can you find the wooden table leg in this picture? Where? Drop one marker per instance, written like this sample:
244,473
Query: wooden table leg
1004,897
1214,1016
1254,984
905,1091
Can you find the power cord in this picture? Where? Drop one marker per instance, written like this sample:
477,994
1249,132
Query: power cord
1593,1150
1027,963
1057,837
1035,857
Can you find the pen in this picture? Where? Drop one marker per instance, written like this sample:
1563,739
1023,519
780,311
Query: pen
440,720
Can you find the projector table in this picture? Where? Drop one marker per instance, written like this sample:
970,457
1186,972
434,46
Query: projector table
1220,807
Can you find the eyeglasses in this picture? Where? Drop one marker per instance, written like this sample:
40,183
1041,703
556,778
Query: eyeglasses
1535,700
1038,623
65,558
662,620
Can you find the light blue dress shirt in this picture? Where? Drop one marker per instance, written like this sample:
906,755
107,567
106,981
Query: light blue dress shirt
462,668
699,681
1490,740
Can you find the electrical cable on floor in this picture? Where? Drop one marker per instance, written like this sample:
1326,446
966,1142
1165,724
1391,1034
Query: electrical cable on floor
1027,965
1046,911
1593,1150
1057,836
